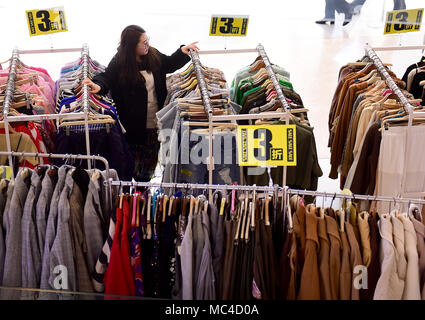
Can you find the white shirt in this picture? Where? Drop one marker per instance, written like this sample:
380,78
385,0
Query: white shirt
152,101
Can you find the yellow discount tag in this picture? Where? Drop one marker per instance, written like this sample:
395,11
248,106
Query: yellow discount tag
46,21
235,26
267,145
401,21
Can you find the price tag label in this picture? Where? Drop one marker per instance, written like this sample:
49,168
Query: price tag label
235,26
401,21
46,21
267,145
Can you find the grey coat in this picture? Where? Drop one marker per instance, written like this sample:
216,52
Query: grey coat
3,199
206,281
12,276
97,213
186,256
31,257
51,234
42,208
61,253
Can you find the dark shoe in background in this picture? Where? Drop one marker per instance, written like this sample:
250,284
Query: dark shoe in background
325,20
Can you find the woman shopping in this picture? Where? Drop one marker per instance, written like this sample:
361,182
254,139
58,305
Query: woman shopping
135,78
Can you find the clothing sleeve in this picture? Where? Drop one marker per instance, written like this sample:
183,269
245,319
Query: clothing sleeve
106,78
174,62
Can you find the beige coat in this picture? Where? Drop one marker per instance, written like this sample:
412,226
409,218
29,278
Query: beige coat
324,251
310,286
355,258
398,239
412,289
365,237
389,286
334,256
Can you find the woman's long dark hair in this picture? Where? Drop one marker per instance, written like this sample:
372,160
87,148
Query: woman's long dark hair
126,55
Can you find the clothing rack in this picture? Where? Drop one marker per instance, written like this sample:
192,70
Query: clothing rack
85,66
67,156
209,111
406,104
10,88
391,83
289,191
195,186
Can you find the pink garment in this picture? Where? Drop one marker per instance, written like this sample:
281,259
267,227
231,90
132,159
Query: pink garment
387,92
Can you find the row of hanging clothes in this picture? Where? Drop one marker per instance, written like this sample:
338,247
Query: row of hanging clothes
33,95
183,247
106,134
368,129
349,254
253,89
53,217
414,77
183,129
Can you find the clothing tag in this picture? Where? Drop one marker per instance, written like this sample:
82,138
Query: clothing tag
223,202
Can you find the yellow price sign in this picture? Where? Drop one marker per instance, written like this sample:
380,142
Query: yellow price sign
401,21
236,26
46,21
267,145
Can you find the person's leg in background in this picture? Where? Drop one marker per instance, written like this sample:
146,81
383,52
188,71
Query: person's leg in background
356,6
329,13
344,7
339,5
399,4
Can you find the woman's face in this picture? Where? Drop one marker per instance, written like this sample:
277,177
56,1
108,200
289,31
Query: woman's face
143,45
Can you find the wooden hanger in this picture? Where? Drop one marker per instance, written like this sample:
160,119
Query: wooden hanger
365,63
164,208
5,61
190,67
267,217
369,75
341,215
244,212
257,66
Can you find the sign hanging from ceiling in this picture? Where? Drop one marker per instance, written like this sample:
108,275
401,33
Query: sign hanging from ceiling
46,21
401,21
229,25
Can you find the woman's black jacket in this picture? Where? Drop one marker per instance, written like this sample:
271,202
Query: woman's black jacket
131,102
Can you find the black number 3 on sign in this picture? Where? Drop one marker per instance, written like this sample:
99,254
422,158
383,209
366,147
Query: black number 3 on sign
46,25
228,24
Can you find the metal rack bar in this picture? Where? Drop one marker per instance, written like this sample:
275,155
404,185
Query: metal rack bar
391,83
226,51
280,95
352,196
264,115
194,186
273,78
208,110
49,51
56,116
67,156
85,66
10,89
396,48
